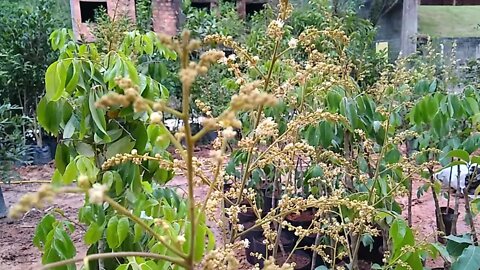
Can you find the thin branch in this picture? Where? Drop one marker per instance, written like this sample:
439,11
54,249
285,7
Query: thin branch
92,257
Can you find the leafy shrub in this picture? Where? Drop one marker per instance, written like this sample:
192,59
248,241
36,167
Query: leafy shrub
12,142
24,50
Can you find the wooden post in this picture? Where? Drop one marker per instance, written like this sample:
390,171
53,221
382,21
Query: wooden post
3,207
409,27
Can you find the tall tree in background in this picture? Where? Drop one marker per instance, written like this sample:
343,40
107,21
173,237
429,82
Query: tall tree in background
24,50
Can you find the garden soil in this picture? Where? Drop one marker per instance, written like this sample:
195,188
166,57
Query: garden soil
17,251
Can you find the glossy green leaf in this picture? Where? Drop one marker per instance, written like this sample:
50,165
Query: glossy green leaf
326,133
43,228
141,137
122,230
138,232
93,234
62,157
470,259
50,115
98,115
158,135
57,178
124,145
69,129
459,153
112,233
55,78
58,247
71,173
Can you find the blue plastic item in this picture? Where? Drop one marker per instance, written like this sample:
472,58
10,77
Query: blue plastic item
3,207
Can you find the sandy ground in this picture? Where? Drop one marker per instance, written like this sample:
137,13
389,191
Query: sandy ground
18,253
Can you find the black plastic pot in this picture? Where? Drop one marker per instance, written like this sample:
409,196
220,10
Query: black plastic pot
448,216
247,216
304,220
259,247
209,137
267,203
375,255
302,259
256,232
41,154
3,207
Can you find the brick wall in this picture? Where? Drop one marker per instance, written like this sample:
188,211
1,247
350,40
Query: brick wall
115,8
165,16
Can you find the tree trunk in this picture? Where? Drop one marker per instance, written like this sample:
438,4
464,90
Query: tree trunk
409,27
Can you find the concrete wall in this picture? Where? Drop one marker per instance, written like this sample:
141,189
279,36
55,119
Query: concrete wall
389,29
467,48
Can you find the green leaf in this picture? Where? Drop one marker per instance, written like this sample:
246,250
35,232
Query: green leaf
470,259
73,80
98,115
55,78
50,115
211,240
70,128
459,153
59,246
141,137
326,133
93,234
138,232
442,250
112,237
86,167
122,230
71,173
132,72
43,228
62,157
85,150
148,48
118,184
57,178
312,136
456,245
124,145
158,136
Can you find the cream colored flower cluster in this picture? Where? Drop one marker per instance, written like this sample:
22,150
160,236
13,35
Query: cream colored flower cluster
136,159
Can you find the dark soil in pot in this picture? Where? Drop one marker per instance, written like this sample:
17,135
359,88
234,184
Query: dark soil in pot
302,259
448,216
304,219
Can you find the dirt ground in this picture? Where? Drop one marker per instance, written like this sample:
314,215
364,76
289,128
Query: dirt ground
18,253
